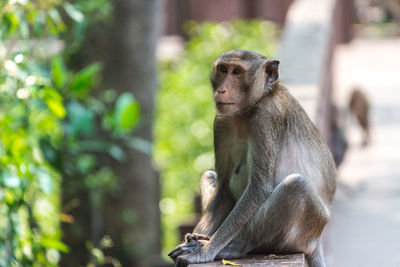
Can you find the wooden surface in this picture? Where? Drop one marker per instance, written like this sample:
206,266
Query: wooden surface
295,260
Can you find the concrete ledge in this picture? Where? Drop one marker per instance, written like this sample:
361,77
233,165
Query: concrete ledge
294,260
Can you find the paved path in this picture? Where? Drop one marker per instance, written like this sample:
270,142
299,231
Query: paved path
365,228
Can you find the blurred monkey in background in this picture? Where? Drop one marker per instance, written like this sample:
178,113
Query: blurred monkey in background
359,107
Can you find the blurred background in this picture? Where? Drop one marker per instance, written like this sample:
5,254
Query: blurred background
106,120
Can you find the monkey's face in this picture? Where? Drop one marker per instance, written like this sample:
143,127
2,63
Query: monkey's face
230,87
240,79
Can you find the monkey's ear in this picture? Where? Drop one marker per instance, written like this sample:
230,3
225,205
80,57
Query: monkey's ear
271,69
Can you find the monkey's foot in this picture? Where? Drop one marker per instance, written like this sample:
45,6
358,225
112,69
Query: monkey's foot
196,237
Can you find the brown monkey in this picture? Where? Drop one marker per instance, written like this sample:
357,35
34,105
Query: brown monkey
275,177
359,106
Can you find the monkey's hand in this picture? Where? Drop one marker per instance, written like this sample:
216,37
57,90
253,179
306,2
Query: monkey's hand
192,242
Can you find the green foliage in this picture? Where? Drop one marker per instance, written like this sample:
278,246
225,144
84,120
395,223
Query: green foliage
50,125
97,253
84,80
126,112
31,108
183,130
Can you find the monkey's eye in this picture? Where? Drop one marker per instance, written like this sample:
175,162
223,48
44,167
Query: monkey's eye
236,71
222,68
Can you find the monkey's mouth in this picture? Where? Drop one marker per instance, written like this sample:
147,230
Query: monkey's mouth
225,103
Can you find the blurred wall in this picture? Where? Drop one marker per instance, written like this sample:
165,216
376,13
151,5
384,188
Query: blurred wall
177,12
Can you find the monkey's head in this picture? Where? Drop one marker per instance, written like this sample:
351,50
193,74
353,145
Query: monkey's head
240,79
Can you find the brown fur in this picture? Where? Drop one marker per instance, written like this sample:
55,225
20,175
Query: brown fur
359,106
275,177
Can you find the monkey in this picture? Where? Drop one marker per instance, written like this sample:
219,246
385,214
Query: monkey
274,179
359,107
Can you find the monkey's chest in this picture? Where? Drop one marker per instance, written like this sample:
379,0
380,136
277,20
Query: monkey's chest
239,173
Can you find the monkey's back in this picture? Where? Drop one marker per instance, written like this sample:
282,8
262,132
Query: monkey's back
301,148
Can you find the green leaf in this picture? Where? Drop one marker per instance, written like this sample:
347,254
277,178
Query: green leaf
54,102
50,153
39,21
98,254
126,113
58,71
84,80
94,146
53,243
117,153
86,163
11,21
58,22
81,119
74,13
9,197
140,144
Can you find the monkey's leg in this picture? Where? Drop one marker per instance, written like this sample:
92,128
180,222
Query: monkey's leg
217,202
291,220
208,183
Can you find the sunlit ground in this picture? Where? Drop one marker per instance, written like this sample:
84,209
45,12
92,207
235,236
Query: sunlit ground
365,228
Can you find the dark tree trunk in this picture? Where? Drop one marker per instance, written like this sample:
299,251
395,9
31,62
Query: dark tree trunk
76,203
129,216
132,217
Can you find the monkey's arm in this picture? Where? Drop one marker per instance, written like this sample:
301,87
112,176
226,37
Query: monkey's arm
219,204
262,144
217,200
258,190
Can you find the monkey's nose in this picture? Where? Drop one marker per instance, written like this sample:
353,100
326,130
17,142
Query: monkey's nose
221,91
